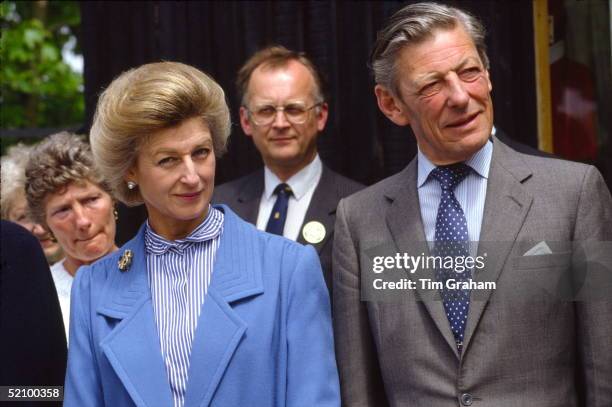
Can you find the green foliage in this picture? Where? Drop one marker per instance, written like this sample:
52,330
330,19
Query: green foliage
38,89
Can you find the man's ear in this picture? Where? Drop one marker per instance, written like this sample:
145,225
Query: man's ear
323,112
245,123
391,106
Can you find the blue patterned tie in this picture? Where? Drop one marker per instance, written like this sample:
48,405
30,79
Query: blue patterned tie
276,223
452,240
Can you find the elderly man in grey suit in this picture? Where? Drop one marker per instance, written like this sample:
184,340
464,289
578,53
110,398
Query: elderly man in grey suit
284,110
508,330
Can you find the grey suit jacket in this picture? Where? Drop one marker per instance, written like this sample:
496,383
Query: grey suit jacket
243,196
525,344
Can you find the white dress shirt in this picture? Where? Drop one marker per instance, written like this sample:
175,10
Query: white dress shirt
303,185
63,284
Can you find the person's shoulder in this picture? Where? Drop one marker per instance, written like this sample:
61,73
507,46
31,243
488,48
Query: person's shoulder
267,242
344,185
377,193
101,270
15,236
550,169
230,189
289,255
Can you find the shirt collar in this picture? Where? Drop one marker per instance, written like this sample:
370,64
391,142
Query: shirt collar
299,182
209,229
480,162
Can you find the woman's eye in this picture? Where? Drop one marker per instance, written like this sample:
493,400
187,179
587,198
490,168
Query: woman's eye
92,199
166,161
61,211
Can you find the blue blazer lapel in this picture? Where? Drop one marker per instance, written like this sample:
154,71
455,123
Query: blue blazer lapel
132,347
220,329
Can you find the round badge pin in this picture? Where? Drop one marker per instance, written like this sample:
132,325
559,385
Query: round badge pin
313,232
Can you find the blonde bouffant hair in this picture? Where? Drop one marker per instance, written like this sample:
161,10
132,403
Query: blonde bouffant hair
147,99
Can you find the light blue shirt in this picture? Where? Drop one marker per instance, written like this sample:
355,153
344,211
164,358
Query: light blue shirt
470,193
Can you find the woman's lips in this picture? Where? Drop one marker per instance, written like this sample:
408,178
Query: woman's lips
189,196
88,238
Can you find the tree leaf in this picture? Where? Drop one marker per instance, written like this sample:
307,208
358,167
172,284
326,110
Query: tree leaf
33,36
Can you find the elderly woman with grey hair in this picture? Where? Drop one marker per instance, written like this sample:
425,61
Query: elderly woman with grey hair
200,308
67,195
13,203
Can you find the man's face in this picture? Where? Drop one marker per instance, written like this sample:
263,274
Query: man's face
285,147
444,96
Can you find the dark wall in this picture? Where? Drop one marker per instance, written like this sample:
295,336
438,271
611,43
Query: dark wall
218,36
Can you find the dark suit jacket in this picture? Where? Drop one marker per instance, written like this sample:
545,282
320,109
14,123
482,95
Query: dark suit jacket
243,196
527,343
32,339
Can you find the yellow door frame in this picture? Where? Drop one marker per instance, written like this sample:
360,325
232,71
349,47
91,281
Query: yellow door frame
541,31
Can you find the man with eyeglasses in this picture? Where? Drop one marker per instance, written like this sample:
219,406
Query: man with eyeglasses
283,110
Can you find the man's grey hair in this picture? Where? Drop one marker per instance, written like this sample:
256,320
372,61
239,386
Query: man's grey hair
414,24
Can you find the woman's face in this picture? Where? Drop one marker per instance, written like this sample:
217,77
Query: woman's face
175,174
19,214
81,218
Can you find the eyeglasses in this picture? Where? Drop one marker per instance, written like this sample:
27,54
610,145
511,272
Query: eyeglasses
295,113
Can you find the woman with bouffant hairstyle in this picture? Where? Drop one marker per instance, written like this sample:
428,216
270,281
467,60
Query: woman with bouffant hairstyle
198,300
67,195
158,98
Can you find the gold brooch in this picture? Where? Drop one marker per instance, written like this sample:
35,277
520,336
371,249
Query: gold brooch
126,260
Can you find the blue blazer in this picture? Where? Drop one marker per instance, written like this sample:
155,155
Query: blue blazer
264,335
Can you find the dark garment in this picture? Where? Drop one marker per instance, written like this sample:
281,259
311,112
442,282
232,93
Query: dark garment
243,196
520,147
32,339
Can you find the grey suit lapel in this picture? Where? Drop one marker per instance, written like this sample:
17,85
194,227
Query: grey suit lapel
506,207
322,208
406,226
249,195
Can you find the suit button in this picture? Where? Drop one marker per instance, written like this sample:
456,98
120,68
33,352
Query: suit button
467,399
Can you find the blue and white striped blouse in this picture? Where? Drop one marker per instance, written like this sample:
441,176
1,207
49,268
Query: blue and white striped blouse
179,275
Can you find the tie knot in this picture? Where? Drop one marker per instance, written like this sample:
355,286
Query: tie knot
449,176
283,189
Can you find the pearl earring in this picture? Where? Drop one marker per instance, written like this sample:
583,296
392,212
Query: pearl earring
131,185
